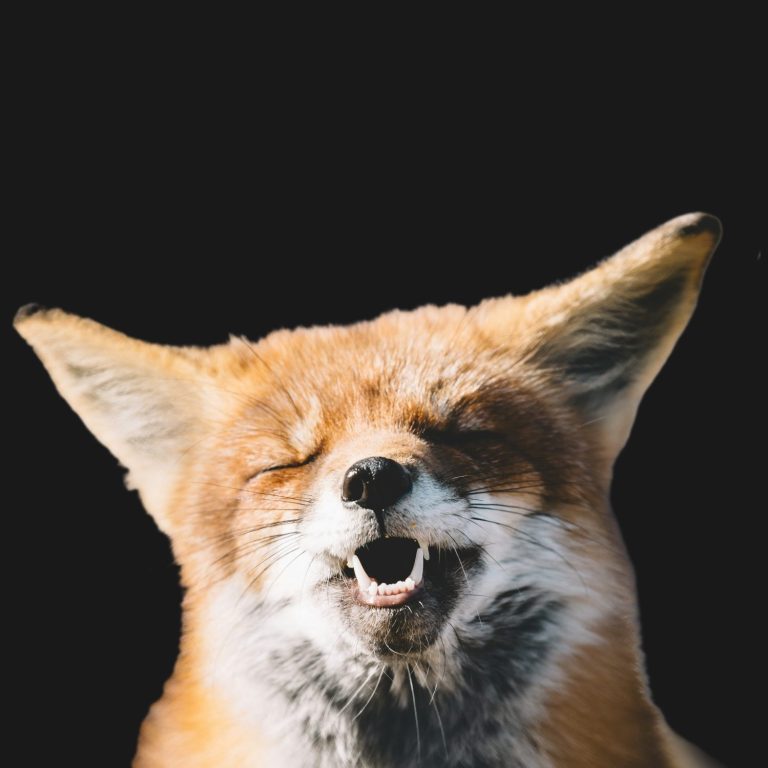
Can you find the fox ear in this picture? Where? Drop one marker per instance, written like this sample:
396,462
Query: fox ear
143,401
606,334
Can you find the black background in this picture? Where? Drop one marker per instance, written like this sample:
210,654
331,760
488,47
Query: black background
184,211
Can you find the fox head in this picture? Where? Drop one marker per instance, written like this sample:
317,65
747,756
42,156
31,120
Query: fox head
413,506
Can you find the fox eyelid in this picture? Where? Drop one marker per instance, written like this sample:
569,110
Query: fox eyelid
292,465
451,436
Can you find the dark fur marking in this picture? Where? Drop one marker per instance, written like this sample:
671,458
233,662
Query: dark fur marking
616,341
82,371
705,223
497,665
28,310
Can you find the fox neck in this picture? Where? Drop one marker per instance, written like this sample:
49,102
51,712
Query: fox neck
517,695
470,706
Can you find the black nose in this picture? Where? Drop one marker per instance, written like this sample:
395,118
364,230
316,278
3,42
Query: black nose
375,483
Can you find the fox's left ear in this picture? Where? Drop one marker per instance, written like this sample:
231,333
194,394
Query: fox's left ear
149,404
605,335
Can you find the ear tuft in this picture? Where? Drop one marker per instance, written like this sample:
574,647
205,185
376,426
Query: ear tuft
694,224
27,311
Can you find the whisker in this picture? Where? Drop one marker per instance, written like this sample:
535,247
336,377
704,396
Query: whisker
415,713
306,573
439,722
251,492
285,568
242,537
458,557
362,685
547,517
473,543
253,529
392,650
503,507
249,547
272,373
494,522
271,560
505,489
373,693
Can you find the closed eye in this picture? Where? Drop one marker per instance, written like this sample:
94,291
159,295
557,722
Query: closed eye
292,465
459,437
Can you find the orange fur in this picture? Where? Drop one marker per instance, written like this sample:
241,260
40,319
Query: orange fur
196,428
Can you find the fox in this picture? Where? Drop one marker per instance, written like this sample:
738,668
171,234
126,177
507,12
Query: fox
395,537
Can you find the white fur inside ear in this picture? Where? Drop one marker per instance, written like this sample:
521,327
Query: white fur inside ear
604,336
142,401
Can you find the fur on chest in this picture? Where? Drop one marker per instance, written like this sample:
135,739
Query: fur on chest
472,701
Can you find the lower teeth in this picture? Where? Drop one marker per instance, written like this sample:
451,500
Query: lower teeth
367,584
391,589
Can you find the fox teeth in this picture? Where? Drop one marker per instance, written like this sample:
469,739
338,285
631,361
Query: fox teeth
369,585
351,560
417,572
363,579
424,547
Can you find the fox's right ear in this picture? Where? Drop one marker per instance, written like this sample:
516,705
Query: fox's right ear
606,334
602,337
145,402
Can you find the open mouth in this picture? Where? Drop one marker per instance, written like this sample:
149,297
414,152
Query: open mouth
391,572
388,572
398,592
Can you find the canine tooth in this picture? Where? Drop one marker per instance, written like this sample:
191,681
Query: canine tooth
417,572
424,547
363,579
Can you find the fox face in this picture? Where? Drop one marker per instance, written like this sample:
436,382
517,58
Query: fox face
395,536
381,486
